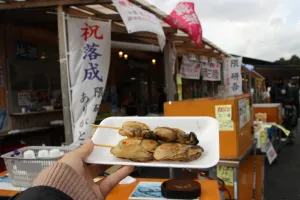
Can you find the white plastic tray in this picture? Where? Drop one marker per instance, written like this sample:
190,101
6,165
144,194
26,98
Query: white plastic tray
206,129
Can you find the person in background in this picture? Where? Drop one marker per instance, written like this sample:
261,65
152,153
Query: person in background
162,98
294,93
129,104
71,178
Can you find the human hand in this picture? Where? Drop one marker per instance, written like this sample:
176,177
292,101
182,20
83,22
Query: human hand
75,159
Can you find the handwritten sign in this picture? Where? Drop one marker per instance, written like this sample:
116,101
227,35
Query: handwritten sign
190,69
233,76
244,111
223,112
137,19
226,174
89,44
25,97
211,71
224,116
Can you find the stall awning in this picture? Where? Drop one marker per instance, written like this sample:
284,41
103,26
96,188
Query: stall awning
104,9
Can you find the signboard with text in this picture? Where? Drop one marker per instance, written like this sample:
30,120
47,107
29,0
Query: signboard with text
89,43
233,75
190,69
211,71
244,111
25,51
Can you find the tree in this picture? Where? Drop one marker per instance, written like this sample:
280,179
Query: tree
294,60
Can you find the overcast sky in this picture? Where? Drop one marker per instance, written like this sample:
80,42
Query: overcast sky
263,29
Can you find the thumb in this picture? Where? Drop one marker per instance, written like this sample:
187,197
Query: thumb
85,150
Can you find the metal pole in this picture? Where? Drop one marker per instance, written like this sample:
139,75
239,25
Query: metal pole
236,183
64,76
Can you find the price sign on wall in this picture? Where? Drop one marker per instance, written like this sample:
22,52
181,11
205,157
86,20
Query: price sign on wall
244,111
226,174
223,114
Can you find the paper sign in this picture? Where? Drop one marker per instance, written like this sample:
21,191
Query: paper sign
226,174
243,112
227,125
211,71
190,69
224,116
223,112
270,151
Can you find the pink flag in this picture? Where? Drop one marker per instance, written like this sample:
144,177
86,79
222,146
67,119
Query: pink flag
184,18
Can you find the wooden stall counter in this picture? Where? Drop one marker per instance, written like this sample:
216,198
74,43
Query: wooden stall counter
209,189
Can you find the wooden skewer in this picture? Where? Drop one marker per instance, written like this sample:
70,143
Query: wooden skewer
100,126
103,145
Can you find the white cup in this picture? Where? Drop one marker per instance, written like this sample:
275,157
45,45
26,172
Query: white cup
23,110
43,153
54,153
29,154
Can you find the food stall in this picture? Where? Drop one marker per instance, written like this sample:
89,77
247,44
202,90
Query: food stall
253,83
78,8
236,143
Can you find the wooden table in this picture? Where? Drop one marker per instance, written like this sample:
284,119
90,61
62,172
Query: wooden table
209,189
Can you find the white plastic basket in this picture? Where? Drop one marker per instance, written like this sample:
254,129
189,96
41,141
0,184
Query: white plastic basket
22,172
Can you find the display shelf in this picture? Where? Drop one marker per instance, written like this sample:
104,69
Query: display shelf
36,113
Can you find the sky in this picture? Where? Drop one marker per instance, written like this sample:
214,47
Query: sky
262,29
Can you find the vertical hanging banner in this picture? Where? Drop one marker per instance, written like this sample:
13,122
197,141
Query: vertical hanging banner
233,75
138,20
190,69
184,18
89,44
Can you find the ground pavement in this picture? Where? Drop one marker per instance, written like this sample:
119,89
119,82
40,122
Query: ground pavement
282,178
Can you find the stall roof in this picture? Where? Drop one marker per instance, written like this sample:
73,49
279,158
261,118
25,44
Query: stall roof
104,9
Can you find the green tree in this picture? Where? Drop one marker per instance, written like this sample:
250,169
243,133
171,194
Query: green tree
294,60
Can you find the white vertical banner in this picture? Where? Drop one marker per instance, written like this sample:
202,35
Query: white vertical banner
190,69
137,19
233,75
89,44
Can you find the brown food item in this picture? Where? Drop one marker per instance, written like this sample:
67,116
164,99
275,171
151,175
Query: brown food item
164,134
181,189
177,152
175,135
135,149
136,129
